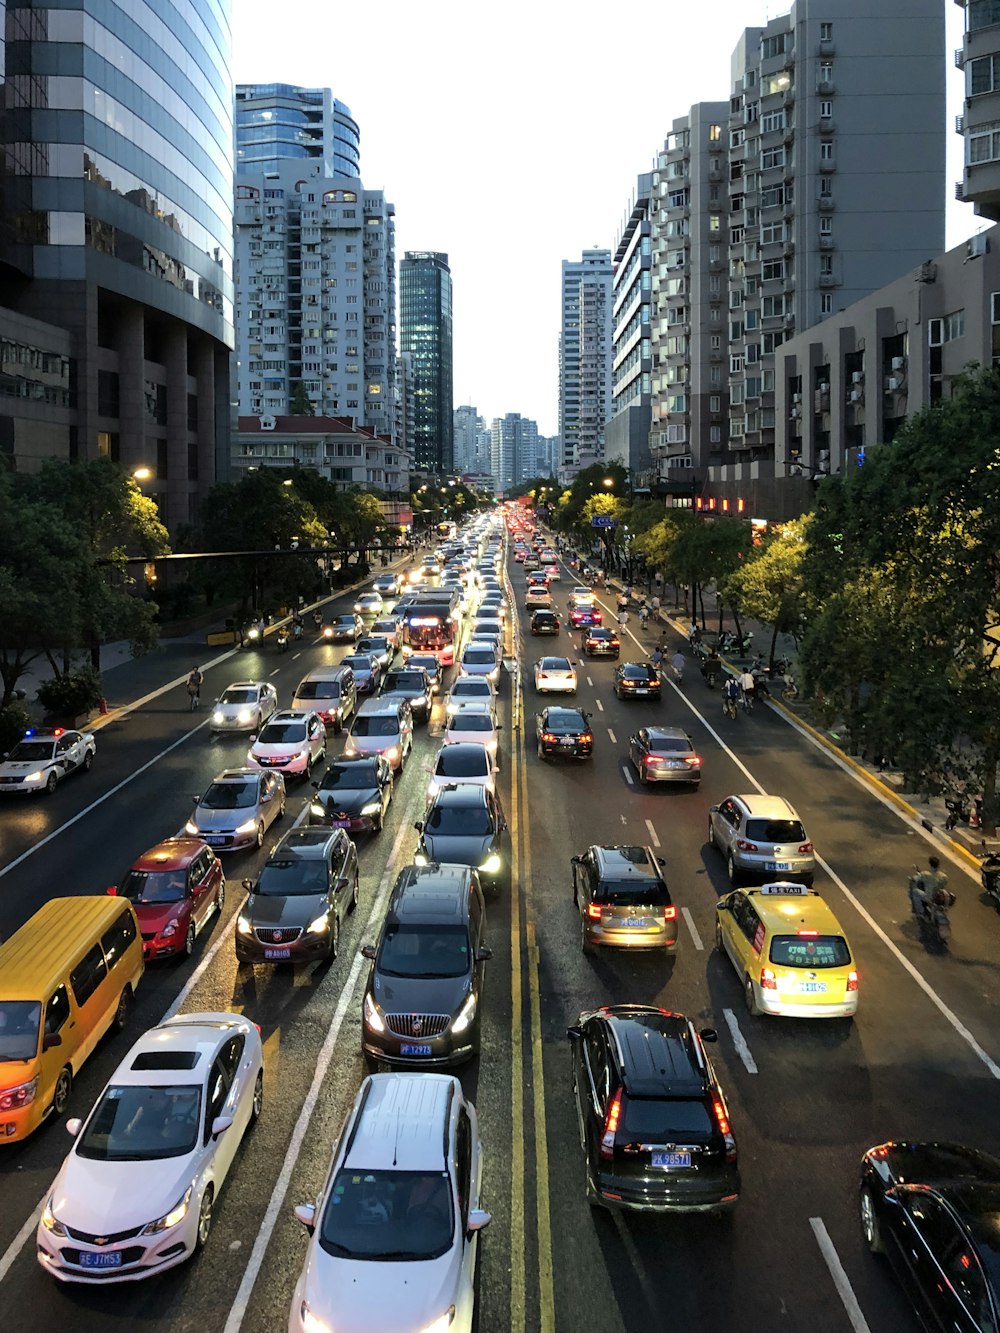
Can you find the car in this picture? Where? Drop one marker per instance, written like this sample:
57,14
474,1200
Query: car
175,888
345,628
331,692
637,680
423,1000
664,754
565,732
296,909
238,808
759,835
41,759
367,672
494,605
548,556
580,596
391,628
136,1194
464,825
412,684
462,761
552,572
544,622
290,741
244,706
353,794
555,675
601,642
378,646
537,596
383,726
469,689
530,561
623,900
430,568
537,578
930,1209
405,1180
488,627
474,720
790,952
427,662
481,658
369,604
585,616
520,555
387,584
653,1119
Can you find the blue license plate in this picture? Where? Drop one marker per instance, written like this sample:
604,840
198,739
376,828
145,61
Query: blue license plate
340,823
777,865
408,1049
814,988
672,1159
639,921
277,954
108,1259
213,839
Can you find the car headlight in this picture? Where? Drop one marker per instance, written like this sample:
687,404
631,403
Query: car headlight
247,827
420,859
442,1323
176,1214
34,777
49,1220
372,1016
317,809
191,827
12,1099
372,808
492,864
171,928
243,926
218,717
465,1015
244,715
318,925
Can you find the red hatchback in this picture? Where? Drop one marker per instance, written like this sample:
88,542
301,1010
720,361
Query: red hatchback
174,887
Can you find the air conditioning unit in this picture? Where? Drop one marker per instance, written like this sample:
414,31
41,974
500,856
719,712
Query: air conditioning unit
978,245
857,393
858,377
893,384
796,412
899,363
824,455
796,398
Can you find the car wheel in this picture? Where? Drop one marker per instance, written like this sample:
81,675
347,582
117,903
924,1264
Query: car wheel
711,833
51,782
281,809
204,1218
732,870
88,759
539,751
356,894
751,1000
585,943
258,723
124,1011
189,940
258,1098
869,1222
260,835
64,1086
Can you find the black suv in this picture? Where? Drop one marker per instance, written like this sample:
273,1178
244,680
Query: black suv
295,910
353,794
637,680
564,731
422,1005
412,684
599,641
544,622
653,1120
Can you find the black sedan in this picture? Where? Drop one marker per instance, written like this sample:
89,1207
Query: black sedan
544,622
933,1210
354,794
601,642
564,731
637,680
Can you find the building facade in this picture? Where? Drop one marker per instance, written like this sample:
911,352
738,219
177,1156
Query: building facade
585,357
118,229
513,451
627,431
471,442
979,125
276,122
343,452
426,338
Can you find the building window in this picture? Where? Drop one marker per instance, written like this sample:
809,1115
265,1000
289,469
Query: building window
826,303
826,226
715,434
826,151
772,269
772,120
772,232
772,157
825,109
826,187
715,403
775,46
716,341
982,13
826,71
714,133
826,266
826,32
982,144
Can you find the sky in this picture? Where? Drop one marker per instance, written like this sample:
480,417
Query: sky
509,135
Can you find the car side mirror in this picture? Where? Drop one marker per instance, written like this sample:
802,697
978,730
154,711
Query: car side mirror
660,861
478,1218
576,860
419,825
484,954
723,905
368,951
253,739
713,809
74,1125
196,797
247,884
708,1034
575,1034
220,1124
51,1039
306,1214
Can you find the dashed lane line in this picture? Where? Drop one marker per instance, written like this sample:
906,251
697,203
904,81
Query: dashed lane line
739,1041
689,922
652,833
612,737
600,706
628,775
840,1279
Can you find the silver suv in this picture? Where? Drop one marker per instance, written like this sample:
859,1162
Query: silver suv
761,836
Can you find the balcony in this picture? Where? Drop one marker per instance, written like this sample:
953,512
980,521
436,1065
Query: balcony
825,203
824,87
827,164
827,280
826,125
826,242
826,46
960,58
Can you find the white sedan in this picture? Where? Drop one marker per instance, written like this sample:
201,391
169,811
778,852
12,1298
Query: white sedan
369,604
474,722
481,658
136,1193
555,675
467,689
464,763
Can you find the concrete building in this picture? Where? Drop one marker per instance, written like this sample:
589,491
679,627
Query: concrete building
979,60
116,271
343,452
472,442
836,160
585,357
276,122
426,338
513,451
549,454
626,436
316,296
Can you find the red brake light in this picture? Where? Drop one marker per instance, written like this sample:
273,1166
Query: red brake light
594,911
670,914
651,759
745,846
721,1119
813,933
548,736
692,759
852,980
586,736
611,1126
805,848
58,731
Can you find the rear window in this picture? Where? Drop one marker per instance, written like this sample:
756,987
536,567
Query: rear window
659,1119
318,689
775,830
376,726
633,893
811,951
669,745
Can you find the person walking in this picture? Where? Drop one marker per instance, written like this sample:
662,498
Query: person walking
194,681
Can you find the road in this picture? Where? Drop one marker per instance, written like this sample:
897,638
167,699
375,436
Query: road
805,1098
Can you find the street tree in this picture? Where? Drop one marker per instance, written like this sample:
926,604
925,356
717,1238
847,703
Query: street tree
767,584
301,404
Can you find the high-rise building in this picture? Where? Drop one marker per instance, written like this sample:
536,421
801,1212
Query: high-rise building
585,356
513,451
626,435
278,121
472,442
116,234
979,60
426,338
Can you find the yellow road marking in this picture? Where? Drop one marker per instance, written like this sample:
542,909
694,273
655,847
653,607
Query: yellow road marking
517,1255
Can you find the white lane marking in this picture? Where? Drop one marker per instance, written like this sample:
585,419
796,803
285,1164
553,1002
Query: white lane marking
49,837
652,833
612,736
590,682
295,656
348,997
840,1280
689,919
600,706
275,671
739,1041
125,709
628,775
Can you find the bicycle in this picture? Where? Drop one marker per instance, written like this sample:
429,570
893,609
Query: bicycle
748,702
729,707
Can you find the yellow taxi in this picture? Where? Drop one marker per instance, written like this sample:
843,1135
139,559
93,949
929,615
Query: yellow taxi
789,950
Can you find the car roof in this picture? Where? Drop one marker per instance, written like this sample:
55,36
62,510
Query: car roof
787,907
767,807
658,1051
383,704
245,685
556,711
459,748
237,775
556,661
290,715
459,794
305,844
402,1123
170,854
468,706
667,734
167,1050
627,862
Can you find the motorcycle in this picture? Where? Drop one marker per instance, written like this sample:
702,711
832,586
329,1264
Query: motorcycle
933,921
297,630
281,639
776,669
732,643
711,669
959,812
253,637
989,874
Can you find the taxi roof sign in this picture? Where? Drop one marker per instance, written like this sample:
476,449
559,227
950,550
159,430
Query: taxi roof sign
785,888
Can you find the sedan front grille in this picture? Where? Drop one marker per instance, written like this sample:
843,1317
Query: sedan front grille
417,1025
277,935
112,1239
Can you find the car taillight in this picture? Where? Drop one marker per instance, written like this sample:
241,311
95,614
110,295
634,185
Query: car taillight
722,1120
548,736
543,675
814,934
745,846
652,759
594,911
805,848
852,980
692,759
587,737
611,1126
767,980
670,914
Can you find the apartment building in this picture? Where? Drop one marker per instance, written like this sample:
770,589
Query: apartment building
351,456
513,451
472,441
585,358
626,435
979,60
279,121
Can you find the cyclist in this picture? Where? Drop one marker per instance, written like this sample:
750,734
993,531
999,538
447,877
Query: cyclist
194,681
656,657
644,615
731,693
748,688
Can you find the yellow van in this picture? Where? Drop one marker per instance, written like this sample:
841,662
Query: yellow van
66,977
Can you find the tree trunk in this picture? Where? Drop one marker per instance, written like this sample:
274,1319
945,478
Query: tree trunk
701,603
991,805
774,640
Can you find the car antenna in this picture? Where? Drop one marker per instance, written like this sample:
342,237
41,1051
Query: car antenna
395,1146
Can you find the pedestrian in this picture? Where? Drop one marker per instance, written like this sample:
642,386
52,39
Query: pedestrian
194,681
655,604
678,663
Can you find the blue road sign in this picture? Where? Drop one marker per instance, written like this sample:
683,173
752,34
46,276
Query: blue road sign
603,521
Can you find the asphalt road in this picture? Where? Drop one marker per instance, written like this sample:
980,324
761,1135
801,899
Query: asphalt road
805,1097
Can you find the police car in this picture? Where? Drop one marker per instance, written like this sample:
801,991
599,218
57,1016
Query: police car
789,950
41,759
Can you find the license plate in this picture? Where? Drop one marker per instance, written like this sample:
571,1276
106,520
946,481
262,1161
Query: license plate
277,953
672,1159
109,1259
643,690
639,921
408,1048
213,839
340,823
566,745
777,865
813,988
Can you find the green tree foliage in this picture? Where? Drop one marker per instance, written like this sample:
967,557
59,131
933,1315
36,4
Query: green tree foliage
301,404
768,586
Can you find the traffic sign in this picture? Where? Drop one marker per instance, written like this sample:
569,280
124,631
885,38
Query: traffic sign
603,521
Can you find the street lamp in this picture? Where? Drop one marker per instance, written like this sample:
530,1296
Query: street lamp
288,482
143,473
609,481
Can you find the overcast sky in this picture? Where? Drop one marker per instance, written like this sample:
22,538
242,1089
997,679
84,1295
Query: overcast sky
510,135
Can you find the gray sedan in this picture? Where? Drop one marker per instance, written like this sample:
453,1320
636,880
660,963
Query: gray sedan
665,754
237,810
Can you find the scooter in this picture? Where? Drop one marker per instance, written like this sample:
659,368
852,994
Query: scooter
932,917
989,874
297,630
959,812
281,640
253,637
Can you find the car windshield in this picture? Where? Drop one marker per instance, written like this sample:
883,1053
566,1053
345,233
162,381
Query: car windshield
469,687
19,1020
349,777
669,745
424,952
459,821
374,646
361,665
344,620
775,830
468,721
30,752
154,886
394,1216
136,1124
318,689
635,671
402,680
659,1120
645,892
230,796
478,657
292,878
283,733
426,663
812,951
458,762
236,697
375,726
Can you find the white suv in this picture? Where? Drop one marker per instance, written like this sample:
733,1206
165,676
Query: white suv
292,741
388,1195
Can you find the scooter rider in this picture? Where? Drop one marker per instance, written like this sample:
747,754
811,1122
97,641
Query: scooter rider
711,668
929,889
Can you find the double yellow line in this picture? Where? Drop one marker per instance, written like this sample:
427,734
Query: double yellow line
521,913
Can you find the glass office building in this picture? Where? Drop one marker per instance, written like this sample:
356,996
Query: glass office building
278,121
426,339
116,223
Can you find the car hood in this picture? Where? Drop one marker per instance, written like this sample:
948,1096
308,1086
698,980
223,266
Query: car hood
350,800
102,1198
279,751
213,821
939,1163
459,851
18,768
233,710
155,916
295,910
419,995
343,1293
